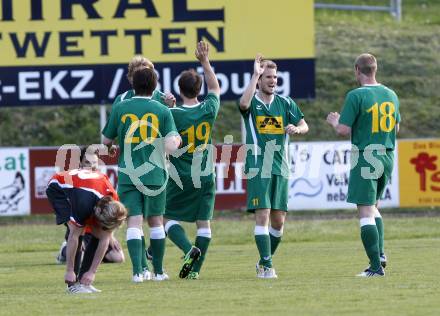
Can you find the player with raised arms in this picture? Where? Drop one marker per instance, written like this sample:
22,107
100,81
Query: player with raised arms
269,119
193,201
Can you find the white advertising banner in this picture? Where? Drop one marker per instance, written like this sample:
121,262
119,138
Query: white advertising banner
319,177
14,182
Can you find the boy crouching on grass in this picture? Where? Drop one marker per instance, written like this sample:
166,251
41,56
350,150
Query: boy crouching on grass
83,197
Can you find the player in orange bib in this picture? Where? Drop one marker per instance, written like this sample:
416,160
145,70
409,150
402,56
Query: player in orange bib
85,197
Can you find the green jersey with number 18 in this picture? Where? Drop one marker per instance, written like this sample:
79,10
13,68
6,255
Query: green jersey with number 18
372,112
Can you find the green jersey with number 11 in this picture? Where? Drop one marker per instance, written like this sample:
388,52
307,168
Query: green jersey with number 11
265,129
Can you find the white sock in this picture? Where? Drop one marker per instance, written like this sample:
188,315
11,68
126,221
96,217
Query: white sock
157,232
169,224
134,233
367,221
275,233
261,230
204,232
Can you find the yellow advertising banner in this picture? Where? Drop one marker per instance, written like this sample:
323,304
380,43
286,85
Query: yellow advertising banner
419,172
72,32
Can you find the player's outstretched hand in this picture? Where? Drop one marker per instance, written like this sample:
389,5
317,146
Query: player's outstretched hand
258,68
169,99
292,129
87,278
333,118
202,51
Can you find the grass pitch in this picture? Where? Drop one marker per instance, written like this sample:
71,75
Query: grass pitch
316,264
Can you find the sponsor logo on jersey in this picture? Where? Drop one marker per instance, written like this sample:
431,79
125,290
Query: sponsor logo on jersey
270,124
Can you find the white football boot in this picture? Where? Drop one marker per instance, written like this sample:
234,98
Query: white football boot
147,275
138,278
77,288
260,271
368,273
91,288
160,277
269,273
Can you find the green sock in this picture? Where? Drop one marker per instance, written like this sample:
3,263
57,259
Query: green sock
177,235
379,225
263,245
157,242
202,243
143,255
134,250
275,239
370,239
158,250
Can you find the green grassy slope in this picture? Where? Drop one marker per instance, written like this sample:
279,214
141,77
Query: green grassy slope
408,62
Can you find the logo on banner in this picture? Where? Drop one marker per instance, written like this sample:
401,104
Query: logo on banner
419,172
14,182
12,194
425,166
308,189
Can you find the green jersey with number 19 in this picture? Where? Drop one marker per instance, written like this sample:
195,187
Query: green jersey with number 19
194,123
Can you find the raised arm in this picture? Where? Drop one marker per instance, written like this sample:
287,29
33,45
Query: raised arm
245,100
202,54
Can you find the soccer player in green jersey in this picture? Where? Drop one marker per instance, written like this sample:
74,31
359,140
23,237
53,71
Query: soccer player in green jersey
139,62
371,116
193,199
146,131
136,63
269,120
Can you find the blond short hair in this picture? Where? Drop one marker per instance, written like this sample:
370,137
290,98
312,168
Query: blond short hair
136,63
267,63
366,63
110,213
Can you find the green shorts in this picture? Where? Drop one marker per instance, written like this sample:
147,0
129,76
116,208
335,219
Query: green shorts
139,204
364,189
269,193
190,204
